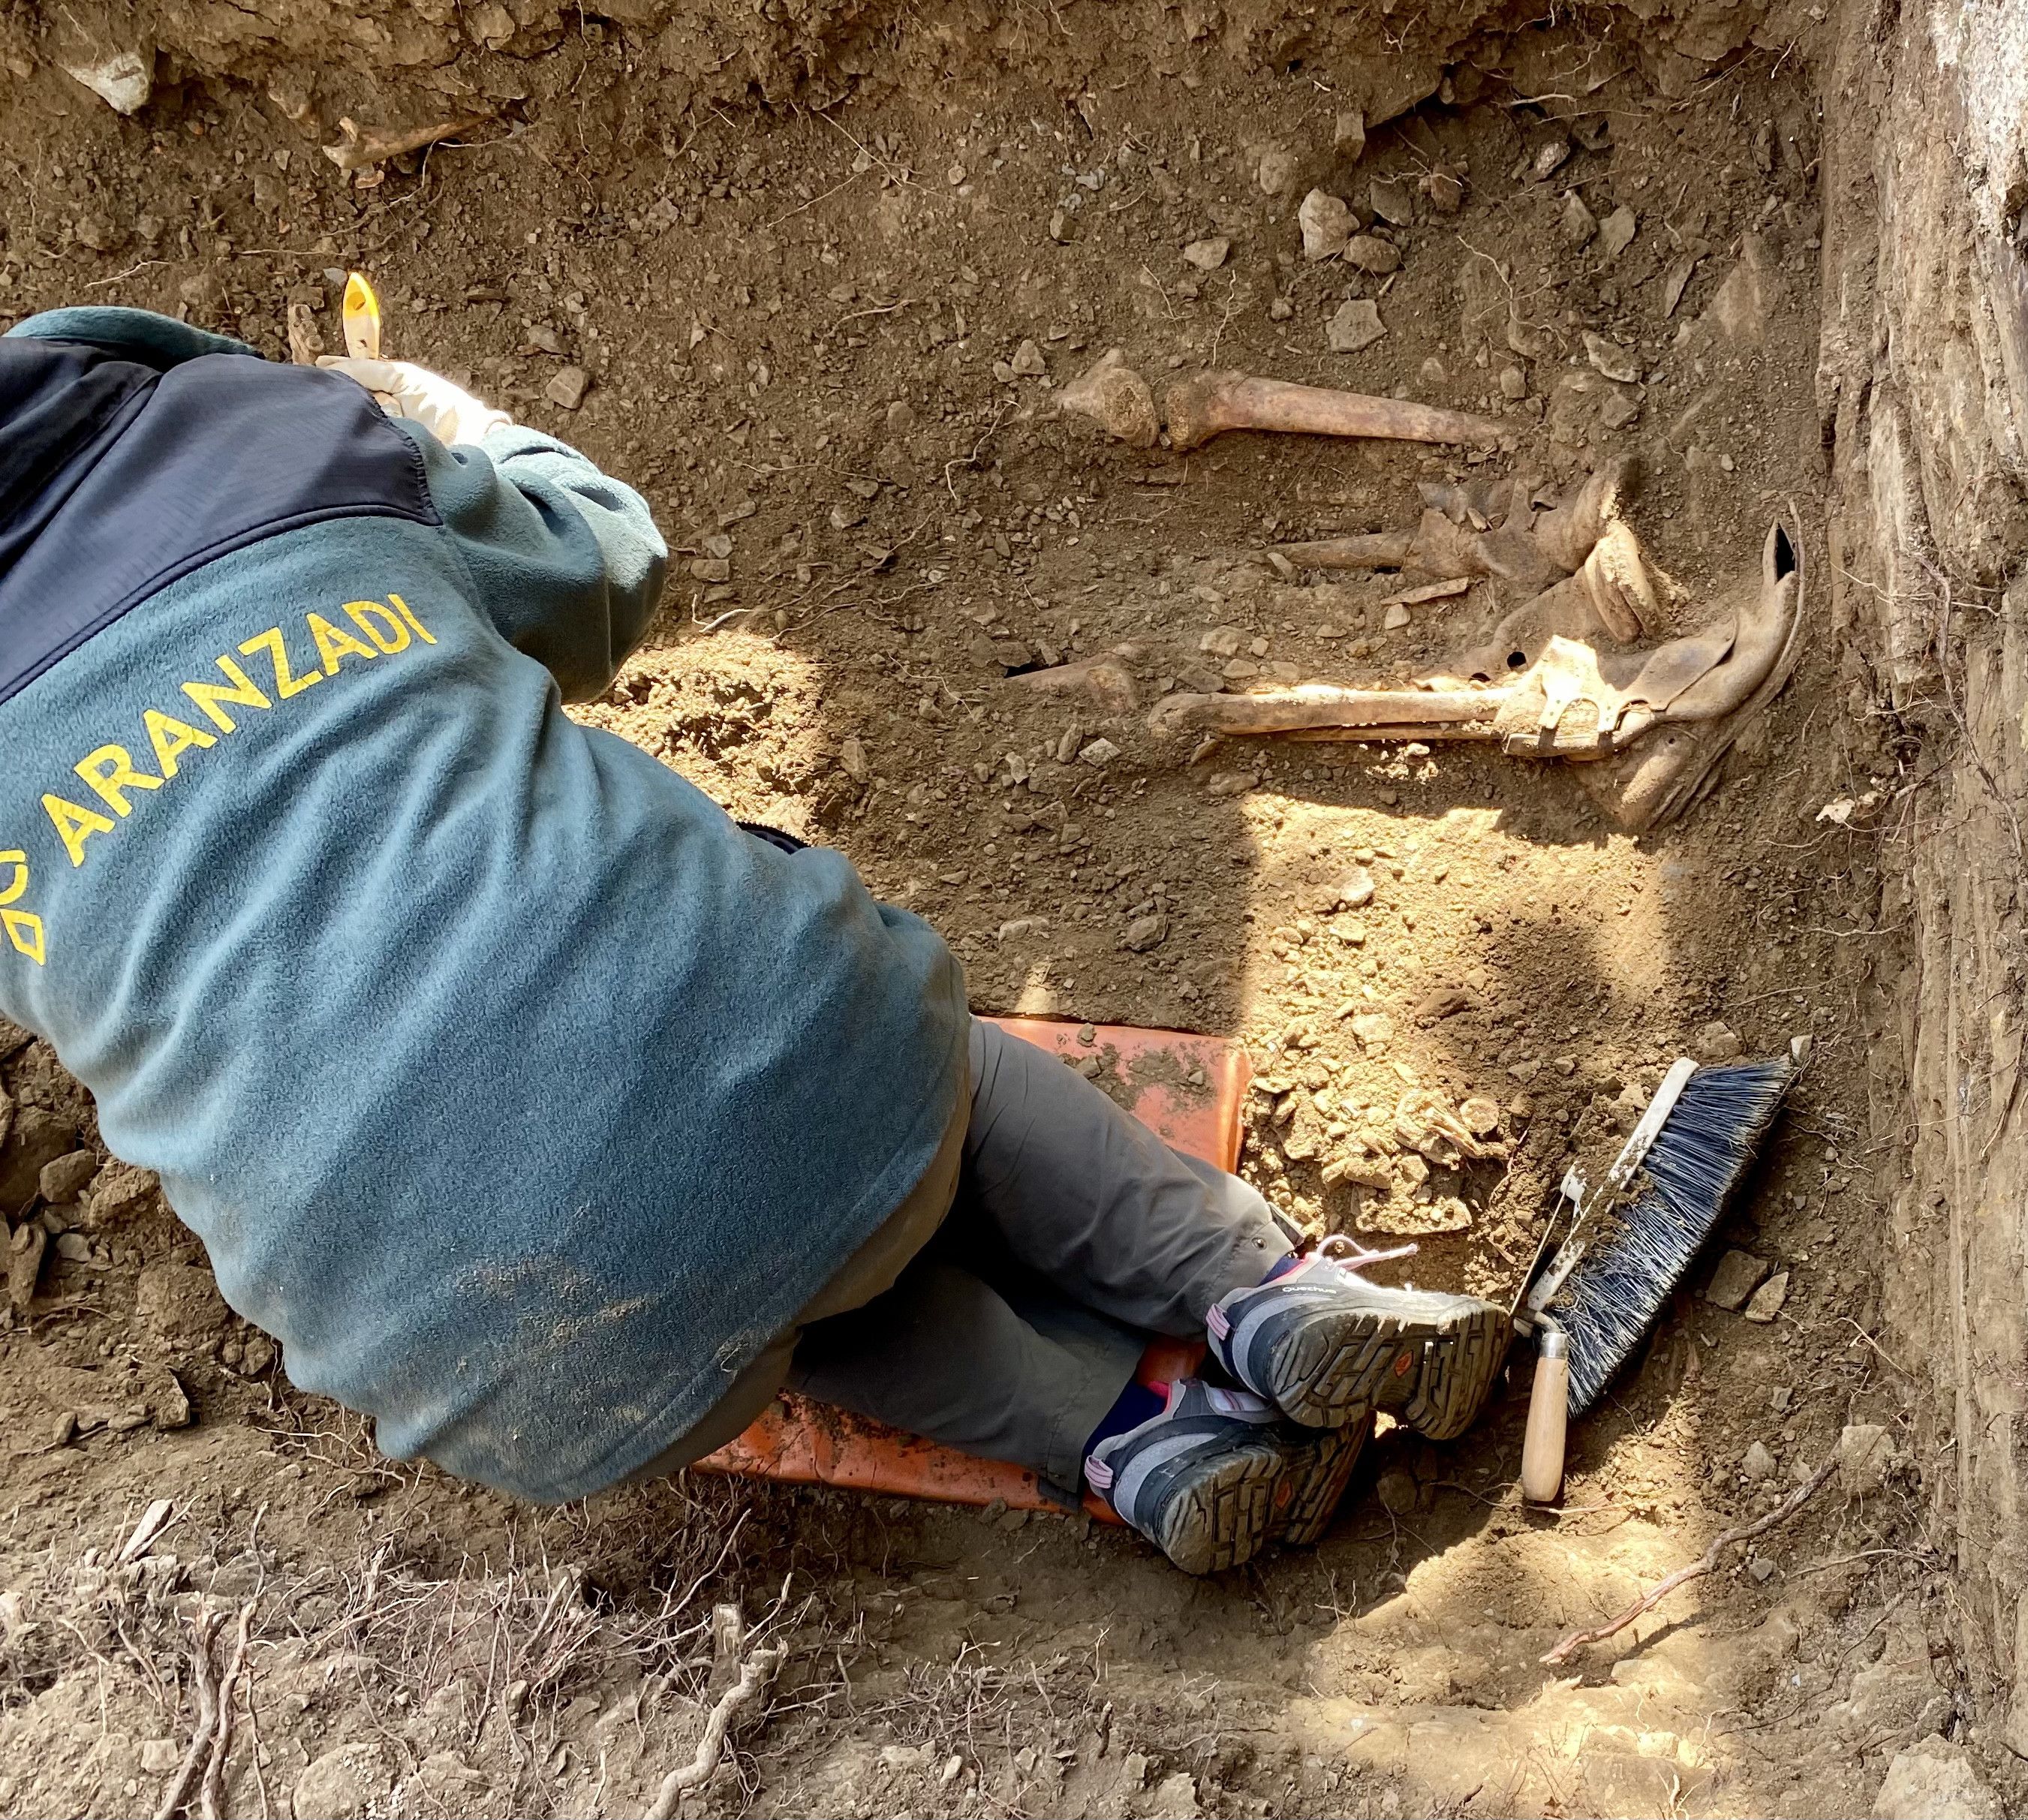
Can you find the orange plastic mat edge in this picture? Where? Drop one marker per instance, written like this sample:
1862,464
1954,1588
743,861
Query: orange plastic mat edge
1187,1088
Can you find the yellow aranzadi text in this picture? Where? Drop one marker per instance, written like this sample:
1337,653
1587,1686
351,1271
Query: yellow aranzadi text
112,773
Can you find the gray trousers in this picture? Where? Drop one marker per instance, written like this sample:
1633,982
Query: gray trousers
1002,1308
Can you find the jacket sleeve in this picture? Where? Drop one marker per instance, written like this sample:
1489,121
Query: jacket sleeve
154,341
567,561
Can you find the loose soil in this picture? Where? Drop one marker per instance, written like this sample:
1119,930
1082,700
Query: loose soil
807,338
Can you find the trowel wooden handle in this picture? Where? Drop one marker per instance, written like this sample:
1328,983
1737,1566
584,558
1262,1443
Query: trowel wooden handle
1548,1417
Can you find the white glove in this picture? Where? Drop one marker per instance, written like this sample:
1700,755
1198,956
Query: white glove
449,412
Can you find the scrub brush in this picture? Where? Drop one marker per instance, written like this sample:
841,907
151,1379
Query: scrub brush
1633,1237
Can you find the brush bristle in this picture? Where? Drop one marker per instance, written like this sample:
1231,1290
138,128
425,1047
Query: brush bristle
1610,1300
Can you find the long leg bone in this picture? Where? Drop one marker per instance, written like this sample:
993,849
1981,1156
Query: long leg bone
1207,406
1116,398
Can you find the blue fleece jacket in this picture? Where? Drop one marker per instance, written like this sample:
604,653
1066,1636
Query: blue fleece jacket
517,1090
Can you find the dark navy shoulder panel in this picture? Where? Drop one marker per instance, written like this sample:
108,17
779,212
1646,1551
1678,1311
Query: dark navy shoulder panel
119,478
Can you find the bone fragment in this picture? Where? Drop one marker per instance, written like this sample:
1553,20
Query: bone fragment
358,147
1116,398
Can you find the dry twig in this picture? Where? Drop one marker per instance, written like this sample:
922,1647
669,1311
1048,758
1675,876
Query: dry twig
1576,1640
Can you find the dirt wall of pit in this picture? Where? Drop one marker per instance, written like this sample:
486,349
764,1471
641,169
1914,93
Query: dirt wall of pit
1922,386
401,56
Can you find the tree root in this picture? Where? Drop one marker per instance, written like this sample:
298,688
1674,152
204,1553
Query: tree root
1576,1640
757,1674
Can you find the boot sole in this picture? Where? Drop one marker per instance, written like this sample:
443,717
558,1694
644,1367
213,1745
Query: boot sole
1435,1370
1320,1488
1223,1518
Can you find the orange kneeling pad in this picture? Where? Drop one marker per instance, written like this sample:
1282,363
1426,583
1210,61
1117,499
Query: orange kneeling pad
1188,1090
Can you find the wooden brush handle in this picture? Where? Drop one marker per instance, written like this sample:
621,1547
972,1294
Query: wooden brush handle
1548,1417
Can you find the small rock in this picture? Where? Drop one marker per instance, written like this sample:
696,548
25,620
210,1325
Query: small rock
260,1354
1176,1798
1611,359
100,234
1615,233
1208,255
181,1302
1027,362
1445,189
1934,1780
1761,1569
1739,311
1373,1028
73,1248
1780,1398
1550,158
1395,618
1348,134
1739,1274
1866,1455
1099,754
851,758
1144,933
160,1756
1275,172
711,569
1222,641
1391,202
1356,325
1616,410
68,1177
1716,1043
1230,783
1397,1491
1481,1114
342,1783
24,1262
1579,224
566,388
1370,253
1431,372
1326,225
954,1768
1513,383
1767,1299
170,1406
900,1760
1759,1464
1355,890
39,1138
124,80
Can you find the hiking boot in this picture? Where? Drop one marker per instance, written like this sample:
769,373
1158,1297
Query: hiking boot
1216,1474
1327,1347
1322,1468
